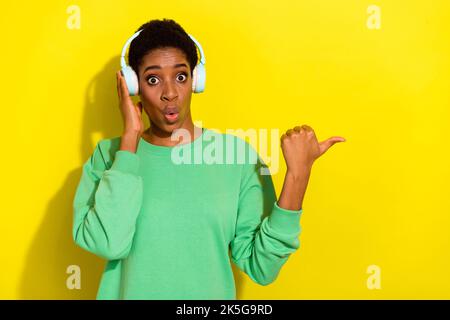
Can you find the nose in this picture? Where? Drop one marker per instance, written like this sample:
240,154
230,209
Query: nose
169,92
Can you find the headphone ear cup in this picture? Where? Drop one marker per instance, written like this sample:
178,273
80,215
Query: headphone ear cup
194,79
199,78
131,80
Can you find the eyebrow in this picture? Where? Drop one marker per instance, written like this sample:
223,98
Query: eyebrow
159,67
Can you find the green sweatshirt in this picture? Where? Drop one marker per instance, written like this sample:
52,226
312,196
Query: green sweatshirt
170,230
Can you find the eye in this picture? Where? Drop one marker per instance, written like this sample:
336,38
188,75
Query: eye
182,77
152,80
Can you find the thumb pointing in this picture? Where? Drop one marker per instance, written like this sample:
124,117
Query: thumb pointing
325,145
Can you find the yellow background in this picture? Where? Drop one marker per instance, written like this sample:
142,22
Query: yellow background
381,198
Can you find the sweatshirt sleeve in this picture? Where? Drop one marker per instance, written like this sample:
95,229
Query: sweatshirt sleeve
107,203
266,234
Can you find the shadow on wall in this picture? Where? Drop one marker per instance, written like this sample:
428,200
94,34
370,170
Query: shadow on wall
53,250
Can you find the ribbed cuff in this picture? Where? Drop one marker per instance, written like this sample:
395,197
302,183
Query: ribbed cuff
126,161
284,220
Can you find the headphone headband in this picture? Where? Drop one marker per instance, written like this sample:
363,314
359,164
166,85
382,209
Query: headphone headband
123,63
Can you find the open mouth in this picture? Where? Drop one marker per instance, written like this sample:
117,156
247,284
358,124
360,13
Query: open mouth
171,114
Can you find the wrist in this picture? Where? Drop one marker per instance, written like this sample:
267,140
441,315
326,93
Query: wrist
130,133
300,172
129,141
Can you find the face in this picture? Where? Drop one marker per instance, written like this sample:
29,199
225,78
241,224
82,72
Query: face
165,86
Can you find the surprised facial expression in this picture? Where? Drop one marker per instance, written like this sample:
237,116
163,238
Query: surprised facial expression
165,86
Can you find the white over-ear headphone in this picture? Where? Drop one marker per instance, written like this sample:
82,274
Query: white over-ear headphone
131,79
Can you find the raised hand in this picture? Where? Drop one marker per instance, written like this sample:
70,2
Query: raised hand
301,148
132,116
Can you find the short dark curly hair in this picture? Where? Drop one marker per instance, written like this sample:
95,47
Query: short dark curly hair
158,34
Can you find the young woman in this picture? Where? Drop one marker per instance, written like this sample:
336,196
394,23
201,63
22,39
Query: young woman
170,230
